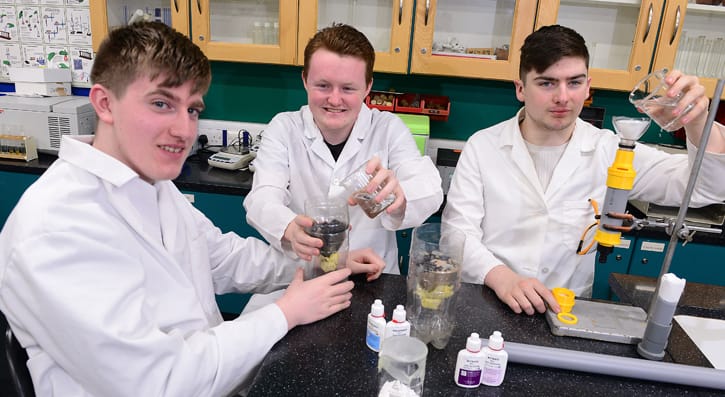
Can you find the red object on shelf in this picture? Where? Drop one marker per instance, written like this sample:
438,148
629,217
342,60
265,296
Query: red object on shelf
409,103
373,99
438,107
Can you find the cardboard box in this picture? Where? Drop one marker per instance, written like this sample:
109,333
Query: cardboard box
44,89
38,75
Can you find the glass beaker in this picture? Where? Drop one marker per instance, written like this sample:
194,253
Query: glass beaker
434,278
401,367
650,97
331,225
356,184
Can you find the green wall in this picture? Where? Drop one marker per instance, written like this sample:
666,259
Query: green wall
255,93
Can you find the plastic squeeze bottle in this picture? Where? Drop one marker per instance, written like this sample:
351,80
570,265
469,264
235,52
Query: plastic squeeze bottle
494,367
376,325
470,363
398,325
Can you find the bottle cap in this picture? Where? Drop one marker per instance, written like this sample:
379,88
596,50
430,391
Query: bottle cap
495,342
377,309
399,314
473,343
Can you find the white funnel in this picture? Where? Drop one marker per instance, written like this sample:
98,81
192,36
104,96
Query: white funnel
630,128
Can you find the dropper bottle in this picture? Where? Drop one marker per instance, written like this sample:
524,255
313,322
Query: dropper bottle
470,363
376,325
494,367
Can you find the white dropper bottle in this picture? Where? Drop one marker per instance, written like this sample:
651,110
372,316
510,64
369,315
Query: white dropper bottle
470,363
494,367
398,325
376,325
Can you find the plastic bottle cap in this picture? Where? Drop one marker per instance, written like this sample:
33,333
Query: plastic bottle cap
473,343
377,309
399,314
495,342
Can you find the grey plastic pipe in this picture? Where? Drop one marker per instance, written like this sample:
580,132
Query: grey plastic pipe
612,365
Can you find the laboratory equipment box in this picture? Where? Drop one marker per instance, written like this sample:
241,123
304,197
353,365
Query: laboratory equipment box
47,119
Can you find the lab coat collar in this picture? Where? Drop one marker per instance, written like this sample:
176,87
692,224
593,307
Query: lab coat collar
580,139
77,150
316,143
580,143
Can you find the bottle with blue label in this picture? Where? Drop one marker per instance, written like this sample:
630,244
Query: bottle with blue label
376,325
469,365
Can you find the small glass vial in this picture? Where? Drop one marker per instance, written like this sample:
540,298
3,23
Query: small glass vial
257,33
469,365
376,325
494,367
268,33
398,325
275,38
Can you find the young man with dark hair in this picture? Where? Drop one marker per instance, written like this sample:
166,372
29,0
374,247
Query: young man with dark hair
522,187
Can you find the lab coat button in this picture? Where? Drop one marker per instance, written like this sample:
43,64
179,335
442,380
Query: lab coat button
545,270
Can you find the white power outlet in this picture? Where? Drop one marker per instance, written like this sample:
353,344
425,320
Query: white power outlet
214,130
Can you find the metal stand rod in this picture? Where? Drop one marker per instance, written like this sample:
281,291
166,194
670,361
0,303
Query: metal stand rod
688,191
606,364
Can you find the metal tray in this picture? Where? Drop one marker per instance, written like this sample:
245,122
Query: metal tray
602,321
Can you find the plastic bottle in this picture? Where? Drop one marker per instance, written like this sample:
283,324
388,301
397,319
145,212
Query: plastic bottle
257,33
469,365
268,33
494,367
398,325
376,325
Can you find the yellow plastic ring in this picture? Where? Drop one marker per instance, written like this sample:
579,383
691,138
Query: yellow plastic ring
567,318
563,295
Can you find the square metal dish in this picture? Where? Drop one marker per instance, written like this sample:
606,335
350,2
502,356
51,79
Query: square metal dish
602,321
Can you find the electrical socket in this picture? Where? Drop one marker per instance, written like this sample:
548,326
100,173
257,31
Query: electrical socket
214,130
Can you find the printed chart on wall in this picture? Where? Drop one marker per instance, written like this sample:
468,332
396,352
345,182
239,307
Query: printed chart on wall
46,34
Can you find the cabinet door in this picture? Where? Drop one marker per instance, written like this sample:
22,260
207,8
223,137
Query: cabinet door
386,25
700,263
692,39
460,37
620,35
263,31
108,14
14,185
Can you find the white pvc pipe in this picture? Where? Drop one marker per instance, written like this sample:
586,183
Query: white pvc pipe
612,365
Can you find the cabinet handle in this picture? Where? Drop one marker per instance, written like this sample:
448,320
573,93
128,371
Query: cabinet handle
198,6
649,22
645,261
677,26
176,6
427,9
400,13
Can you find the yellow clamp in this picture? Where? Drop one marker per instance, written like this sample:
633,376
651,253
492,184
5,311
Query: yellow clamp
565,298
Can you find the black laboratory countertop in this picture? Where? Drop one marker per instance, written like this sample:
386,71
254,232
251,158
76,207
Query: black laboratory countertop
196,174
330,357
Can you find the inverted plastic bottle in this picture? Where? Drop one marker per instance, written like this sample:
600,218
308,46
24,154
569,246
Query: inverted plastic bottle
469,365
494,367
398,325
376,325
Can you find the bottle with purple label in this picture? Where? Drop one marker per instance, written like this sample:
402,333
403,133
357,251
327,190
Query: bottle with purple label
469,365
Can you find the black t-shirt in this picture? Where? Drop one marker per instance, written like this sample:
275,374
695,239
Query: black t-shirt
336,149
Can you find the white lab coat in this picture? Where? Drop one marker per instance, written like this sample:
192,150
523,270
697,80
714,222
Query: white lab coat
496,199
109,284
294,164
